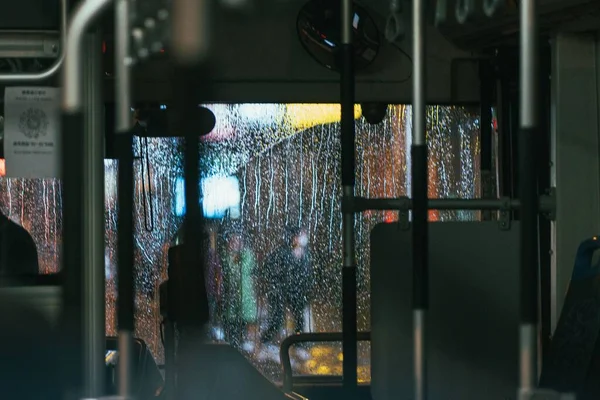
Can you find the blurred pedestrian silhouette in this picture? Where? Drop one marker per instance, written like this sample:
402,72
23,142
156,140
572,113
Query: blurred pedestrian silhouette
288,273
239,295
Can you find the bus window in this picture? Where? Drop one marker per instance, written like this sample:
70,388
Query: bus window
271,190
35,205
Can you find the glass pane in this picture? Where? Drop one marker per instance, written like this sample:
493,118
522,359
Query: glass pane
35,204
286,160
157,167
267,168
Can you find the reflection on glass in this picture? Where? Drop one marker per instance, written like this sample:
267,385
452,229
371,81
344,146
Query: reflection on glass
285,159
237,310
111,357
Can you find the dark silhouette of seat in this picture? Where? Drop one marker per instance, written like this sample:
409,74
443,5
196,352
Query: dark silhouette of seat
573,361
224,373
206,370
30,360
18,253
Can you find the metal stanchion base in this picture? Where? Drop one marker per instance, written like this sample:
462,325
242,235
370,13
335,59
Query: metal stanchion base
543,394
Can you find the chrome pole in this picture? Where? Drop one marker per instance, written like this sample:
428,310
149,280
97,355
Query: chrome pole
347,100
420,237
93,223
190,45
123,63
191,28
125,241
83,17
81,243
529,195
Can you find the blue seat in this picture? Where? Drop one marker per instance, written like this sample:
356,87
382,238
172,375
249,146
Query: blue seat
573,360
583,267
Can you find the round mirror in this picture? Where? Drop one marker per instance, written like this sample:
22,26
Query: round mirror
319,30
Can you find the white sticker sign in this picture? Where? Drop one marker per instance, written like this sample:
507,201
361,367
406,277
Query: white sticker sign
32,132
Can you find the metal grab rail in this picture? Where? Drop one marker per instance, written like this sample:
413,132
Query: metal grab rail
289,341
84,287
546,204
54,68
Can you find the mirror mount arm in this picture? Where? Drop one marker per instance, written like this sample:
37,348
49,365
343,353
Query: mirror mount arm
394,26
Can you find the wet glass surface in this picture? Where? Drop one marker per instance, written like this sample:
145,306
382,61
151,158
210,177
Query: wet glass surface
267,168
36,205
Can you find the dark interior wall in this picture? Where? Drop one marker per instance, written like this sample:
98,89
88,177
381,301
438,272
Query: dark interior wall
30,14
258,57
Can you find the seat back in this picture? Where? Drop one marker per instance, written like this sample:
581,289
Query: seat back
573,361
40,292
223,373
472,325
32,359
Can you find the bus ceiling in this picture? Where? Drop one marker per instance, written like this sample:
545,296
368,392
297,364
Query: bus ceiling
262,59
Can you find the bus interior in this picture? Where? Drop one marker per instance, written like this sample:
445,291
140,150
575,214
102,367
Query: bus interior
300,199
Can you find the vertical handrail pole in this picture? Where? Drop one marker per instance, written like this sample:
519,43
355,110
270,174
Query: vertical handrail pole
125,227
74,186
486,91
191,37
123,65
529,198
420,235
349,323
93,223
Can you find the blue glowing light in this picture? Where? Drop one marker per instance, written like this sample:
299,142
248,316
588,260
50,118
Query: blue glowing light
220,196
179,197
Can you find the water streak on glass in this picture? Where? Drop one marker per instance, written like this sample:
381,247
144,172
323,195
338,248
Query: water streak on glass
286,160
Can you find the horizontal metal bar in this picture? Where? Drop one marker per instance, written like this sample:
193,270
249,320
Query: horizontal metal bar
55,67
35,44
404,203
295,396
318,379
315,337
